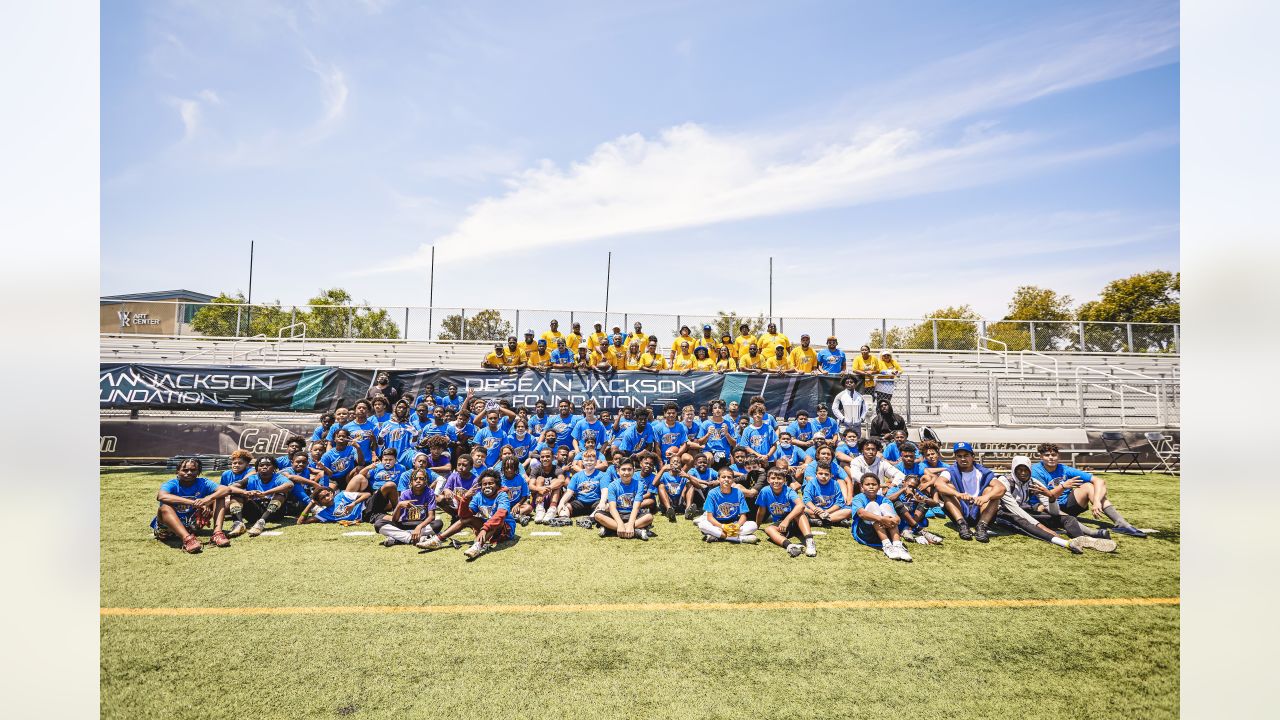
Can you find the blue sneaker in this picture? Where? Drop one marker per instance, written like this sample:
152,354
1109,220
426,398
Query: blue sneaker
1129,530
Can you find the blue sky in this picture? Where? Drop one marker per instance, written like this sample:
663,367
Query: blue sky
892,157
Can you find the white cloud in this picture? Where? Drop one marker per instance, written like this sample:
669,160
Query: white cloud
334,91
691,175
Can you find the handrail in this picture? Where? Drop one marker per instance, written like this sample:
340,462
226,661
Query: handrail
261,349
1050,358
1132,372
1003,354
292,335
216,347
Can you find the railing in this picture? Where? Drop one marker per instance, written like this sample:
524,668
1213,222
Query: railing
434,323
983,341
230,350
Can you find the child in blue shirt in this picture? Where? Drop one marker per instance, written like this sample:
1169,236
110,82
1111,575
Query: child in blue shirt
620,512
188,501
780,512
1075,490
490,518
725,514
264,496
700,478
824,499
876,523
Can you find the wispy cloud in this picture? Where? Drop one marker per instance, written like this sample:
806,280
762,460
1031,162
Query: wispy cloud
692,175
334,89
191,112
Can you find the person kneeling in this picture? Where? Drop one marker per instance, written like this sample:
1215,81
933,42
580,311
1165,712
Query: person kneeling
725,514
876,524
620,510
490,518
782,506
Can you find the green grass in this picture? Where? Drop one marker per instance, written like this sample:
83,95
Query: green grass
1000,662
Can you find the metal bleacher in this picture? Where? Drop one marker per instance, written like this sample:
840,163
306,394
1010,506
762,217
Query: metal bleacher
976,388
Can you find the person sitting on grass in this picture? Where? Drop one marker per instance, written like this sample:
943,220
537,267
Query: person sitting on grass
583,490
187,502
875,522
825,502
343,459
306,480
780,512
264,496
516,486
1075,490
672,490
344,507
545,485
381,479
457,490
725,514
620,512
700,479
787,453
237,475
490,518
414,516
1014,513
912,504
970,493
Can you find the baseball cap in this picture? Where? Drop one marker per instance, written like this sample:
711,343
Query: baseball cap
832,337
886,352
706,327
528,332
962,446
804,335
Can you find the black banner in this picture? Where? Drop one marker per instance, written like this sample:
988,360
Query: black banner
323,388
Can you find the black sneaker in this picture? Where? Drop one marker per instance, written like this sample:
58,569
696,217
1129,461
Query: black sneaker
1129,530
1102,533
691,512
981,534
963,531
523,520
670,512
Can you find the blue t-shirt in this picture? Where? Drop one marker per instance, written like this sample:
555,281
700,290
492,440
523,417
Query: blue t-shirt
624,496
1061,473
362,434
760,439
230,476
283,462
340,463
520,447
563,428
536,423
718,435
861,529
826,496
674,485
831,360
829,429
492,442
320,433
434,428
633,438
380,476
453,403
777,505
559,356
837,472
200,488
794,456
487,507
583,431
379,419
916,469
397,436
803,432
725,507
586,485
891,452
516,488
669,436
708,476
255,483
343,507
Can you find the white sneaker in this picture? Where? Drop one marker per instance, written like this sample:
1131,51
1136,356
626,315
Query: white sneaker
919,539
907,535
748,539
903,555
931,538
810,549
539,515
890,551
794,550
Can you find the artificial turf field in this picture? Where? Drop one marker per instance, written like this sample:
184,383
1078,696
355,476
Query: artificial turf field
312,623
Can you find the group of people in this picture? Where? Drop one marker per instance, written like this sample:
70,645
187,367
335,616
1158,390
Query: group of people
407,466
770,352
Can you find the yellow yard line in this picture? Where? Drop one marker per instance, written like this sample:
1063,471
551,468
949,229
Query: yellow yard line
635,607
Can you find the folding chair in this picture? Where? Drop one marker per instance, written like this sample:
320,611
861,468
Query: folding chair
1165,450
1111,441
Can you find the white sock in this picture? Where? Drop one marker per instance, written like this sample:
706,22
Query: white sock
1058,541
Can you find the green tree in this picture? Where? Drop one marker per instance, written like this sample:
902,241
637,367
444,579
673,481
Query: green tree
729,322
957,330
1152,297
1033,303
219,319
333,314
483,325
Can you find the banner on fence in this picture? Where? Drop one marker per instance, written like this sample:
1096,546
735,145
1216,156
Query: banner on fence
323,388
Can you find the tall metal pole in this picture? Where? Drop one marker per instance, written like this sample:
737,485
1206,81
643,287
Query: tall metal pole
249,321
770,289
608,275
431,294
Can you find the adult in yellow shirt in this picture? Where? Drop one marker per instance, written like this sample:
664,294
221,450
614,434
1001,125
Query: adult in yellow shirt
866,365
725,361
702,361
632,361
682,355
751,362
778,362
742,342
708,341
637,335
513,350
652,360
617,354
553,335
574,338
530,345
495,360
771,339
598,341
804,359
589,359
540,358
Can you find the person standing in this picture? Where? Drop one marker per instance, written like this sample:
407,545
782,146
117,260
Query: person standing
850,407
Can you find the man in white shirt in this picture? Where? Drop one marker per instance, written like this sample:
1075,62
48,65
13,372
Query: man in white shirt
869,460
850,407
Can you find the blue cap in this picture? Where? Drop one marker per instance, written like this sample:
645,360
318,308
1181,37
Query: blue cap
706,327
962,446
542,341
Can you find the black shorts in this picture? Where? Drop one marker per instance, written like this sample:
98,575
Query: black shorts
1072,507
792,532
578,508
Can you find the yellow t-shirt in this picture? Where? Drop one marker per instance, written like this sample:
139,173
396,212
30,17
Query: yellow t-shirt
572,341
704,364
593,358
742,345
768,342
551,336
537,359
633,361
682,362
526,348
747,362
805,361
653,361
641,337
711,344
511,358
869,365
493,359
726,365
775,363
617,357
595,341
